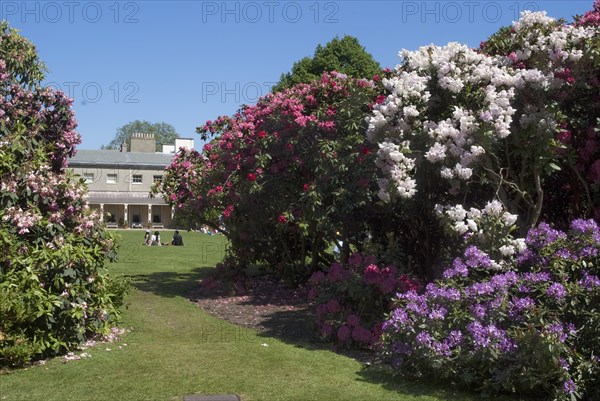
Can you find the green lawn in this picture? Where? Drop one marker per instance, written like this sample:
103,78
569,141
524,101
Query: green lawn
174,348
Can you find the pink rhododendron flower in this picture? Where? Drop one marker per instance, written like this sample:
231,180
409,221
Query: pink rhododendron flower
362,335
336,273
343,333
334,306
317,277
353,320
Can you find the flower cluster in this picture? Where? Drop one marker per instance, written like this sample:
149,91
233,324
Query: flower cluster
351,300
453,142
489,228
480,326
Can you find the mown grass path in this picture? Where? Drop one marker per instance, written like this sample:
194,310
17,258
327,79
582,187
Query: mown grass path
174,348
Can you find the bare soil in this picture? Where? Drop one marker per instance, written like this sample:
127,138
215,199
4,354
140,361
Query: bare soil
273,309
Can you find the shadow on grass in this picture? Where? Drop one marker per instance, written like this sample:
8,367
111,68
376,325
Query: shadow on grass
383,375
294,328
289,326
170,284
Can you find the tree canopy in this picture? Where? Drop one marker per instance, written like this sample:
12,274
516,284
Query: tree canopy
164,133
344,55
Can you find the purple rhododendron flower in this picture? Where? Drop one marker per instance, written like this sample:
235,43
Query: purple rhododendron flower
584,226
505,280
556,290
480,289
398,320
557,329
520,304
478,310
536,277
455,337
424,339
475,257
569,386
542,236
589,281
438,313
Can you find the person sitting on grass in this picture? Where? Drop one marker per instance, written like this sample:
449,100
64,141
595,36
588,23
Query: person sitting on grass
147,238
177,239
156,239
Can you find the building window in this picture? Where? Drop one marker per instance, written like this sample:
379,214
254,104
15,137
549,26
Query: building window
88,177
111,178
157,179
136,178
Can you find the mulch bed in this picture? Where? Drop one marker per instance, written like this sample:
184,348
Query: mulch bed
270,307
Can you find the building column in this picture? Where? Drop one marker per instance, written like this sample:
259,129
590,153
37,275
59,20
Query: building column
125,216
102,212
149,213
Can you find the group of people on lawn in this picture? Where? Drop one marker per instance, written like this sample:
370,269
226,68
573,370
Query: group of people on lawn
154,239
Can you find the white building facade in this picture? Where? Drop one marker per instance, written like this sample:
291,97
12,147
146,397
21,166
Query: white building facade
119,182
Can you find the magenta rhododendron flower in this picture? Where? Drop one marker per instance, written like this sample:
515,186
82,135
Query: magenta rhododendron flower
228,210
371,274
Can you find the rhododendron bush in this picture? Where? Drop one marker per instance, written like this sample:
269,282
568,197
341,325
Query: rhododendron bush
509,135
516,120
285,178
54,289
528,326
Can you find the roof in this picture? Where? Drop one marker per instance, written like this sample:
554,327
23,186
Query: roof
115,157
132,198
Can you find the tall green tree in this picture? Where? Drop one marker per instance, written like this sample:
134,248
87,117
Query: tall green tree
344,55
164,133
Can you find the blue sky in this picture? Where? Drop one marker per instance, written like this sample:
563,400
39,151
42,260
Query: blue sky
185,62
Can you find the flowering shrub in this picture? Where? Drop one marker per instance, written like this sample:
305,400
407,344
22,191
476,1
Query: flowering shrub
566,53
280,178
495,121
351,300
531,327
54,288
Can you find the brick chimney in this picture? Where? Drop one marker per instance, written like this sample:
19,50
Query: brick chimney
142,142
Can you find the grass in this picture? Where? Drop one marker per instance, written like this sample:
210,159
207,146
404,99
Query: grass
174,348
